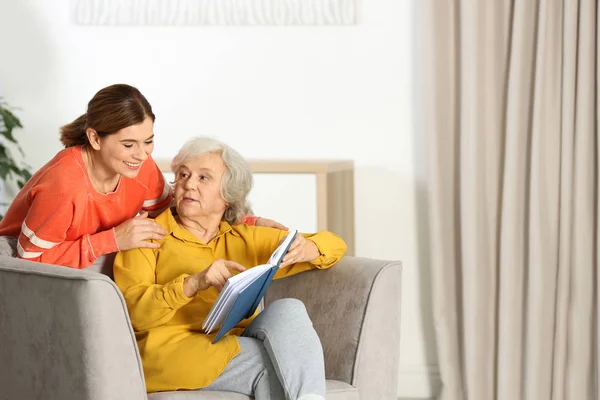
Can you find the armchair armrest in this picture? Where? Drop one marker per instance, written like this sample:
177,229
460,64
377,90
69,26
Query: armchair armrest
355,309
65,334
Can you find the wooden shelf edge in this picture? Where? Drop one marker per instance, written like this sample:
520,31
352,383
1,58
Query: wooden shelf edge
285,166
300,166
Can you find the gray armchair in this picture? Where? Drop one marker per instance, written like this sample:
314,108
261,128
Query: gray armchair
65,334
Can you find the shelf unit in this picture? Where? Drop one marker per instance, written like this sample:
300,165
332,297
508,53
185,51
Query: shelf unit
334,190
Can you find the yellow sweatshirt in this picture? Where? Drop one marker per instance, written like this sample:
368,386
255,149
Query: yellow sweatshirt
176,354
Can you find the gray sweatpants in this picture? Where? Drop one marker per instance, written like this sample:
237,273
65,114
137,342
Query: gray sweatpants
281,356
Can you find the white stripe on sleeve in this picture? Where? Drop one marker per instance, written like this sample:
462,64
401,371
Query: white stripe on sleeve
165,193
27,254
44,244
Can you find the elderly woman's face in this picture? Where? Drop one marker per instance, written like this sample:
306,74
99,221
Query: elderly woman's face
198,187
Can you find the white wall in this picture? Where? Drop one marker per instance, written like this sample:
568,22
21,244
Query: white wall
271,92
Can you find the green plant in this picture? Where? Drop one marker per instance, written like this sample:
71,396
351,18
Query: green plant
10,170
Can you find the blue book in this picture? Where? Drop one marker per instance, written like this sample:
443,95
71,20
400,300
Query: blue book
243,292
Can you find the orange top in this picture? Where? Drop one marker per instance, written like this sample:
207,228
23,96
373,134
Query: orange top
60,218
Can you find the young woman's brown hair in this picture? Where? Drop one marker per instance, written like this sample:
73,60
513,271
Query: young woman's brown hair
110,110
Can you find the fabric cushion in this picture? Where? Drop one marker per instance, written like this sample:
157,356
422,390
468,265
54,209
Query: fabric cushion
8,246
336,390
103,265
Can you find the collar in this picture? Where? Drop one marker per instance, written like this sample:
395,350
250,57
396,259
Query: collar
168,221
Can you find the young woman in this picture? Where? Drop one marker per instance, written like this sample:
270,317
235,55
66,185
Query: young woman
85,202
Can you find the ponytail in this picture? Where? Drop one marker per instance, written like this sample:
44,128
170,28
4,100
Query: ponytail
110,110
74,134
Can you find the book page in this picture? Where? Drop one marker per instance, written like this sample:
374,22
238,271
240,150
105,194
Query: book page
281,250
238,283
229,294
226,293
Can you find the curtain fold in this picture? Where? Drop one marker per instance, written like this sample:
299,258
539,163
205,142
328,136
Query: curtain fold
511,95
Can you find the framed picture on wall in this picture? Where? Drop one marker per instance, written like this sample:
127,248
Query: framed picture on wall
214,12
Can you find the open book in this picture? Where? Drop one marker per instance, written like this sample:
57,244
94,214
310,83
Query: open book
243,292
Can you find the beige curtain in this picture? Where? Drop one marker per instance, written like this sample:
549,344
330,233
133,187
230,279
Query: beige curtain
512,114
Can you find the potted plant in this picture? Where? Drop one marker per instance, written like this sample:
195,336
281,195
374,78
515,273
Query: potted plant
10,170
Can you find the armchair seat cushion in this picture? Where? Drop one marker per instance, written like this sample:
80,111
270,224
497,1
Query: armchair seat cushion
336,390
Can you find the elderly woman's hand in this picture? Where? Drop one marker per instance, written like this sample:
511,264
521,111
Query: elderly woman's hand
261,221
216,275
301,250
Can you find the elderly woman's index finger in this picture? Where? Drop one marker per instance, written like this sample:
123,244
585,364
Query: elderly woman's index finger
234,266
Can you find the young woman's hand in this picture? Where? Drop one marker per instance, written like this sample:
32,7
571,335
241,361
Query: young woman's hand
261,221
136,232
216,275
301,250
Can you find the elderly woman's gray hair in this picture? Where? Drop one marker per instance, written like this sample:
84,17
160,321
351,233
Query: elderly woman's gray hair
237,180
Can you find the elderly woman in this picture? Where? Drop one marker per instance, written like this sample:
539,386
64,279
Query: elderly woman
169,291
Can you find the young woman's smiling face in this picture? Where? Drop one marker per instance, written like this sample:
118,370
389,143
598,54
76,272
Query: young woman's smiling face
124,151
198,187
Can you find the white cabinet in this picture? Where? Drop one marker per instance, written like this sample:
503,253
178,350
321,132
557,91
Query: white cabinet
323,190
289,199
